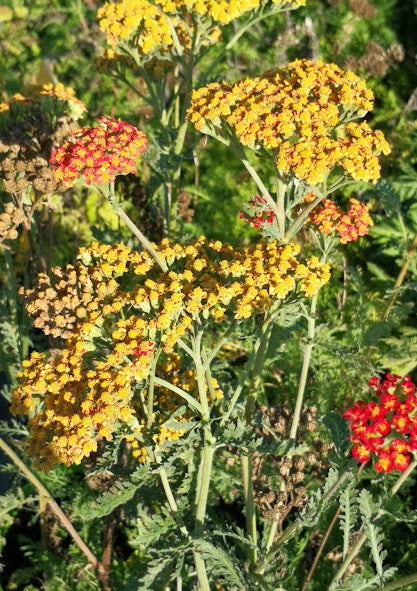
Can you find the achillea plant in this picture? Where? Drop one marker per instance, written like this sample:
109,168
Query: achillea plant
100,153
160,26
30,127
115,309
301,114
348,226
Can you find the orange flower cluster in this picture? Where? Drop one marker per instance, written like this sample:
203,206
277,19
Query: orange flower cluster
151,23
386,429
99,154
348,226
115,307
59,92
302,113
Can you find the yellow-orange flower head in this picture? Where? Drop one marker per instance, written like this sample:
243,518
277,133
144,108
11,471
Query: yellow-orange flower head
114,308
301,113
150,24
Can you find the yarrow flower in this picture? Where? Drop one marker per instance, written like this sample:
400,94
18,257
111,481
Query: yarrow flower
349,226
151,23
114,308
30,126
385,430
258,213
302,113
98,154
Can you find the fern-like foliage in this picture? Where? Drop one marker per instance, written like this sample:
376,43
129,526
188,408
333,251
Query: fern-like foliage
222,565
348,514
374,534
321,498
89,507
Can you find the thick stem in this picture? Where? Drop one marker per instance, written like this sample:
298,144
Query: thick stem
203,487
56,509
400,583
193,403
305,367
206,464
151,389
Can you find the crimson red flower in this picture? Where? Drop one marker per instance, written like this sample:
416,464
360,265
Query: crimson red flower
386,430
258,212
99,154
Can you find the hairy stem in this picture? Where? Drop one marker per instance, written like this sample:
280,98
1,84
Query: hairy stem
206,462
311,322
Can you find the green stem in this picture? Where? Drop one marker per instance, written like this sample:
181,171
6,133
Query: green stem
281,188
193,403
240,151
171,501
206,463
151,388
362,539
311,323
400,583
301,219
201,376
260,342
250,512
141,237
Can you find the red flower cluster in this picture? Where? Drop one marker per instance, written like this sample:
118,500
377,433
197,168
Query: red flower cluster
349,226
258,212
99,154
388,428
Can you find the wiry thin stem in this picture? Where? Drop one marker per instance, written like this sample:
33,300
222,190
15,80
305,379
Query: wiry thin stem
401,275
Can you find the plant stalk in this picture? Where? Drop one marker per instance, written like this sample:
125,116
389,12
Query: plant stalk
311,322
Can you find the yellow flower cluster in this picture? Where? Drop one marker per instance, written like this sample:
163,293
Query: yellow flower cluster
59,92
167,426
114,307
302,113
151,22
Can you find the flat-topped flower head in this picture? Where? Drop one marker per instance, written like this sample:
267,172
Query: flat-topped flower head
152,25
348,226
114,308
97,155
385,430
302,114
